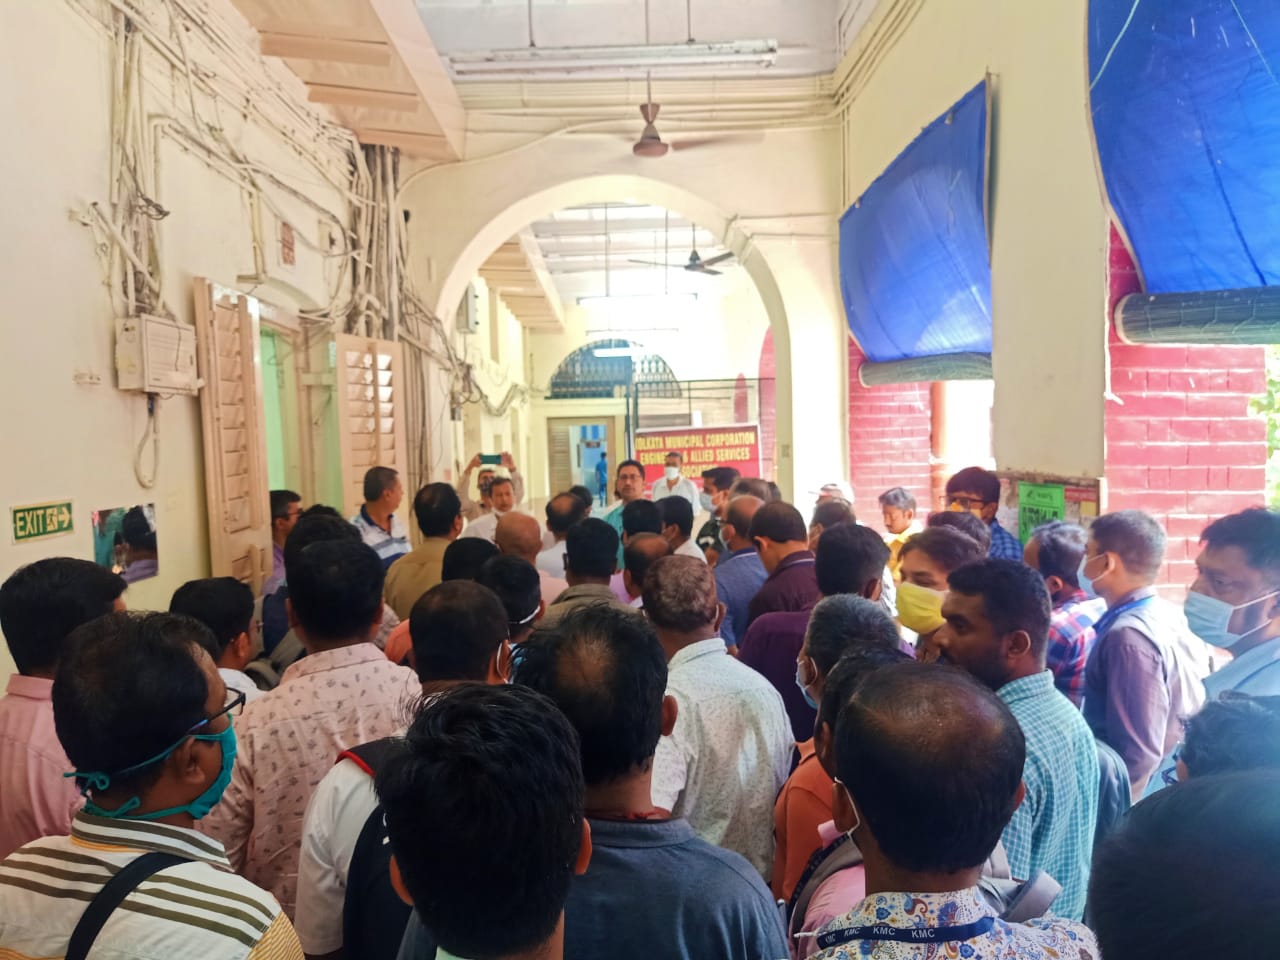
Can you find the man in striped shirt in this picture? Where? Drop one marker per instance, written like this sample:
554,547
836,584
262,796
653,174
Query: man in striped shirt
377,522
144,718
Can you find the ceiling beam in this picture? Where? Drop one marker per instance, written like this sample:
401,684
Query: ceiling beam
408,35
360,97
293,46
418,144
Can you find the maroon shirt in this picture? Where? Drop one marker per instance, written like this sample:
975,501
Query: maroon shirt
793,585
770,647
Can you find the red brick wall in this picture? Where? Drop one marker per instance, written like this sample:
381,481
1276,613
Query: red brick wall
890,441
1181,443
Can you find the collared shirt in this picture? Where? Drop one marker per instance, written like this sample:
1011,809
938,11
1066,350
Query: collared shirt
803,806
240,682
414,574
1052,829
1256,673
793,585
287,739
698,902
1071,637
35,799
1004,545
472,510
729,754
690,549
1144,675
580,596
739,577
389,546
192,911
1047,938
614,519
770,647
684,488
277,570
551,560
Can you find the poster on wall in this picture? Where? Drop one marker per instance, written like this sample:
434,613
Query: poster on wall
736,445
1028,500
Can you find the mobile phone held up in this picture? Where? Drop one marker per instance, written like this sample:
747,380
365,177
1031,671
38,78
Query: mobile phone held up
491,459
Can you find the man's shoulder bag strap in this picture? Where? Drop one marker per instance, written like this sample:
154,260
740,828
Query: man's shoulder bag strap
112,895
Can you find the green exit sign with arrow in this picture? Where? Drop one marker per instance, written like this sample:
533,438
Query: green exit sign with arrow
41,520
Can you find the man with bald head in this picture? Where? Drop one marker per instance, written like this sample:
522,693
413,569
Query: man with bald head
739,574
730,751
518,535
637,557
929,767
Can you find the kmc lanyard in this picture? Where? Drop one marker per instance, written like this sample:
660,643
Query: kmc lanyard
944,934
1108,619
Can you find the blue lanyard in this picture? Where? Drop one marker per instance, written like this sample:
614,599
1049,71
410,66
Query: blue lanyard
1108,619
944,934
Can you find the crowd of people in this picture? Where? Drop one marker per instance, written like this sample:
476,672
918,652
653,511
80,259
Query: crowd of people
611,736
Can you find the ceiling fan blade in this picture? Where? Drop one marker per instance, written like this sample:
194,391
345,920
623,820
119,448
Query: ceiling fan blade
708,272
718,259
728,139
652,263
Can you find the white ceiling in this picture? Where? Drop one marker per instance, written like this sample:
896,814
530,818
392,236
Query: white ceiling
573,246
805,30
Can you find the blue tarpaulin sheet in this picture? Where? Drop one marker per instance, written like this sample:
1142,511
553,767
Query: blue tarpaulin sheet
915,269
1185,97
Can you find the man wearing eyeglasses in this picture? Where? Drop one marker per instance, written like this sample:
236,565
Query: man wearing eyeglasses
147,724
460,635
286,507
977,491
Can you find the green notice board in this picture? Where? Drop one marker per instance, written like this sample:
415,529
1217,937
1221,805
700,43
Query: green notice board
40,520
1039,503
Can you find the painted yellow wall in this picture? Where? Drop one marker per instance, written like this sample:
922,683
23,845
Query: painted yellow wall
61,439
1049,228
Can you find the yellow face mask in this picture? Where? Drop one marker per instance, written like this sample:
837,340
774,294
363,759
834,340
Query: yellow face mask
919,608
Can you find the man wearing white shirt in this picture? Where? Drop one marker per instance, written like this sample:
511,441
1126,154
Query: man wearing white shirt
564,510
225,606
459,632
677,527
730,751
672,483
502,495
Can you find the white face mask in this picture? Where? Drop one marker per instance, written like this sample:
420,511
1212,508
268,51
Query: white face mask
672,472
1209,619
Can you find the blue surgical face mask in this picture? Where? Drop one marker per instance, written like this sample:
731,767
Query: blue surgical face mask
804,685
1086,582
704,500
198,808
1209,618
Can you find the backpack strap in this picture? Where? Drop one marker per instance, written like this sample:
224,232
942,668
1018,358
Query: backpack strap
840,854
370,756
1019,902
112,895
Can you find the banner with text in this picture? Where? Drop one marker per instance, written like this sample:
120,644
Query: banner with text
737,446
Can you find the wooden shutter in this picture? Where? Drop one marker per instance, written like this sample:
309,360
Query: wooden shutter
370,379
235,450
564,472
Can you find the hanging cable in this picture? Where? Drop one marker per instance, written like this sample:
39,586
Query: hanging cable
152,435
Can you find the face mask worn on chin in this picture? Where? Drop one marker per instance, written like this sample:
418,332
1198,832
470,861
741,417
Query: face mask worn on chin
198,808
919,608
671,473
1209,617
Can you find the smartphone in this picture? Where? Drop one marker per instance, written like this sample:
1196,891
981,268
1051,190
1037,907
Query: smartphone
494,459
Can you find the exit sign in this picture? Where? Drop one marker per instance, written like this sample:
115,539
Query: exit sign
41,520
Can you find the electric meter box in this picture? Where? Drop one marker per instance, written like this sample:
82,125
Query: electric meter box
154,355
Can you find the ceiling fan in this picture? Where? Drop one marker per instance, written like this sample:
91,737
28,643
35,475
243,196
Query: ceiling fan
695,263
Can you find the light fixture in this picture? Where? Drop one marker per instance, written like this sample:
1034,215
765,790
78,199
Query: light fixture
652,58
604,352
615,331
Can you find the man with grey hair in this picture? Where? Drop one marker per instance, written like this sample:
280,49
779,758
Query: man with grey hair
730,751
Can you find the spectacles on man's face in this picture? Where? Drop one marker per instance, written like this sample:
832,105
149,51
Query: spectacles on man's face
233,708
965,503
